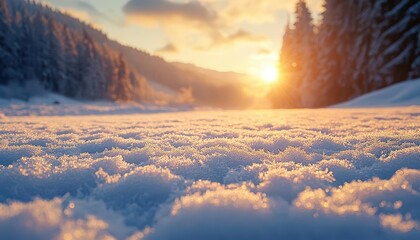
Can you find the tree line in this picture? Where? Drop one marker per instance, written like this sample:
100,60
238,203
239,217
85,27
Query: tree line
357,47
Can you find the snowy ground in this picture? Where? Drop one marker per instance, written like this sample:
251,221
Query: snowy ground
403,94
304,174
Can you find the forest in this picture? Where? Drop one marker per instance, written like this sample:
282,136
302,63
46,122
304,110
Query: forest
38,49
357,47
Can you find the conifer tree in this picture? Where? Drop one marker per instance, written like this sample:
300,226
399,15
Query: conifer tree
8,62
37,45
361,46
396,41
295,58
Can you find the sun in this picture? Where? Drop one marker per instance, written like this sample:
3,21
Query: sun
269,75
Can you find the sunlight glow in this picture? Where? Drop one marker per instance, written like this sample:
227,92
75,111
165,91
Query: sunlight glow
269,74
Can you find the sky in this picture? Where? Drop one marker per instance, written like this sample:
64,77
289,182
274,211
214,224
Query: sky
226,35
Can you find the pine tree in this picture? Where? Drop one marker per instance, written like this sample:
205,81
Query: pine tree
28,49
360,47
295,59
69,84
124,89
285,94
303,35
336,39
55,73
8,62
395,41
39,52
36,43
84,49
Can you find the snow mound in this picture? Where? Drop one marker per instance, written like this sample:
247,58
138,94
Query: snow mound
402,94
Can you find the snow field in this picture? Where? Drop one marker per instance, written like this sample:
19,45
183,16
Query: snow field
301,174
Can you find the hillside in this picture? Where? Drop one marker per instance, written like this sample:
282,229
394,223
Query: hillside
402,94
79,61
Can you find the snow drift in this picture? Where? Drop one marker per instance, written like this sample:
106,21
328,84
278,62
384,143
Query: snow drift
402,94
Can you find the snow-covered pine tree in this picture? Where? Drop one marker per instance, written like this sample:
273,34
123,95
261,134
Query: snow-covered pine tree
39,53
36,45
28,47
395,41
284,94
8,61
305,63
123,91
69,84
139,86
335,39
90,56
362,45
55,72
359,56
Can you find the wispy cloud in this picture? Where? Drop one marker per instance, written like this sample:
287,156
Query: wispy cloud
170,48
84,10
95,13
240,36
264,51
187,11
203,23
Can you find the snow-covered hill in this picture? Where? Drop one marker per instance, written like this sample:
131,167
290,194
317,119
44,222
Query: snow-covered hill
402,94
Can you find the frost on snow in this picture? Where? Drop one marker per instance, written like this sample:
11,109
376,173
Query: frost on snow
310,174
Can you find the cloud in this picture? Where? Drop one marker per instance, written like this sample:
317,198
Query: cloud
209,11
89,8
252,11
240,36
162,9
262,11
83,10
95,13
170,48
199,24
264,51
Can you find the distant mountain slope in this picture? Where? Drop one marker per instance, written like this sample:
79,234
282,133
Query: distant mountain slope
207,87
402,94
80,61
